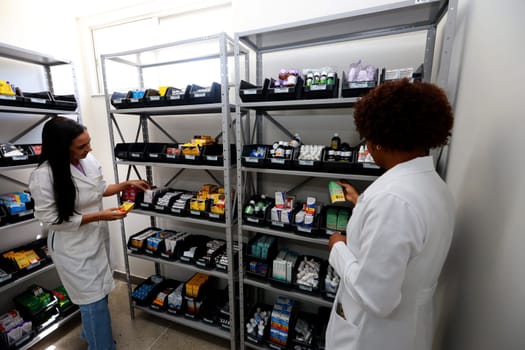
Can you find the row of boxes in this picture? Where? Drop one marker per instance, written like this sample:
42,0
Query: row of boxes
172,153
44,99
167,96
260,156
12,155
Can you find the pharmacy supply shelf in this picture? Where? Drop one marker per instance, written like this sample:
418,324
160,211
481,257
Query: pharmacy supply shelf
20,223
356,177
28,110
288,292
177,54
27,277
181,218
289,235
190,267
173,165
201,326
325,103
49,330
208,108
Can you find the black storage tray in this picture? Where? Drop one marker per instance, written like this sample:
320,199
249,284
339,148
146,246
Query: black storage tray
140,250
180,212
147,298
201,262
65,102
174,255
6,100
281,225
211,306
152,98
139,199
160,208
191,159
211,94
328,295
285,93
371,169
166,286
120,99
42,318
312,320
285,163
213,154
171,153
307,289
122,151
314,230
155,152
41,99
338,166
253,93
198,241
137,151
174,96
259,340
309,165
248,160
272,251
324,227
257,220
356,88
15,159
135,102
322,90
160,247
33,151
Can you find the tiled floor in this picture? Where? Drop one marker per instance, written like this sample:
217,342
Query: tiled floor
143,333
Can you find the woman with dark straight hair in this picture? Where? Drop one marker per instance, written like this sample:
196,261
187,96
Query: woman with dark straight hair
68,187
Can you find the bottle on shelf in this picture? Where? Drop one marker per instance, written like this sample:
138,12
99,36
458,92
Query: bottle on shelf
346,153
296,141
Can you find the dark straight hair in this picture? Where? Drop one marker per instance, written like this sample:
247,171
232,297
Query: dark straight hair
57,136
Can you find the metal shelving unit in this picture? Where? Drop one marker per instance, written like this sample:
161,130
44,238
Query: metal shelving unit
44,62
381,21
141,60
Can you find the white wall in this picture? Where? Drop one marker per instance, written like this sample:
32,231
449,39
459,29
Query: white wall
484,282
485,270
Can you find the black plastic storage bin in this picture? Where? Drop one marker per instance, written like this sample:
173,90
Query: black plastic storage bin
314,229
156,244
144,293
11,155
33,152
255,337
356,88
285,93
307,164
155,152
200,95
139,245
339,166
152,98
198,241
284,226
175,96
306,288
261,217
297,339
286,161
159,302
135,98
122,151
41,312
329,227
65,102
253,93
137,151
322,90
259,266
327,292
178,248
120,99
42,99
171,153
214,155
6,100
254,156
161,205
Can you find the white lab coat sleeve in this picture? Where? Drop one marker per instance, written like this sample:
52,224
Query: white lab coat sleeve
41,188
391,233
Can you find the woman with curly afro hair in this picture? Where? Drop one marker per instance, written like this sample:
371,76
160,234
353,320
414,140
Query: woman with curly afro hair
401,227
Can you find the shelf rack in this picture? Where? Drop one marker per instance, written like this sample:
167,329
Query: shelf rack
153,58
380,21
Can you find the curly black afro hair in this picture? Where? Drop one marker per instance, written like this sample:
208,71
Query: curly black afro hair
404,116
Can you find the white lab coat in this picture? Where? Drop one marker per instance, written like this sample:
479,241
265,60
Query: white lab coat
80,253
397,240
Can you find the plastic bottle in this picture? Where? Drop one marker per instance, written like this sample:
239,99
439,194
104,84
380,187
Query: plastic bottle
323,78
330,79
296,141
309,79
346,153
335,143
